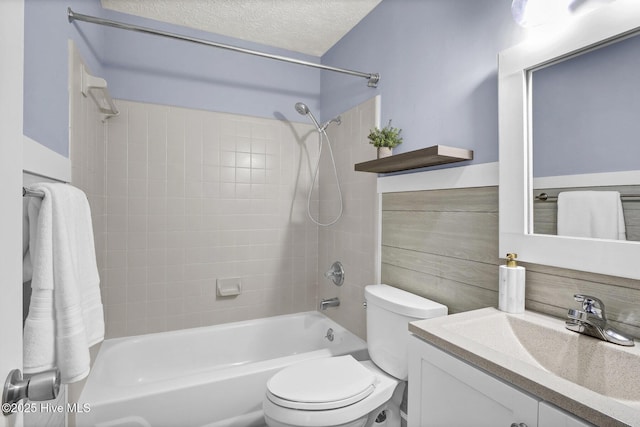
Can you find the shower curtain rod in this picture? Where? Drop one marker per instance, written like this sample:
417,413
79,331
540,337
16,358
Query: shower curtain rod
372,78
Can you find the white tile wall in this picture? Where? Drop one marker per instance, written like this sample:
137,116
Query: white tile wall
87,143
87,146
182,197
192,196
352,240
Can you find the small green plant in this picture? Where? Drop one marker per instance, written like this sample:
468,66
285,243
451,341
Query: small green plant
388,136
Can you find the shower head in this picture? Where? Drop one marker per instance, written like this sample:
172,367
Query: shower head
305,111
302,108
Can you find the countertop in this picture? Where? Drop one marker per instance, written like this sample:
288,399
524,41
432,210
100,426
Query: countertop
513,367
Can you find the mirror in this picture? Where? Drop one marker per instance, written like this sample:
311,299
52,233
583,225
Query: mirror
585,133
524,68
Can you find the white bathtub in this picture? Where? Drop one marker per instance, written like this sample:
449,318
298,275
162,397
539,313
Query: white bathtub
213,376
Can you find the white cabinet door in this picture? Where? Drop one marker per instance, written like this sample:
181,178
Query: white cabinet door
551,416
445,391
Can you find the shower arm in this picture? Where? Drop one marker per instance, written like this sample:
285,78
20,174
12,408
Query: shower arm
336,119
372,78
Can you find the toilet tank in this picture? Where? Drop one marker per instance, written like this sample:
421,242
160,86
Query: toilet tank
389,311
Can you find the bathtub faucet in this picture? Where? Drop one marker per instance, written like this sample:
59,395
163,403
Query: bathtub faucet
335,273
331,302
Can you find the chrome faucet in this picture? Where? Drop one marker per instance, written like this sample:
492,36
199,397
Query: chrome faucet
591,320
331,302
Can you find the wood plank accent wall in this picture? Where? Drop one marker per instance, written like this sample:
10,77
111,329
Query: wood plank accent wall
443,245
550,290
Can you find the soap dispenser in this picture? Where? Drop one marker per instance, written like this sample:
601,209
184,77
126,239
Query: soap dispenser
511,289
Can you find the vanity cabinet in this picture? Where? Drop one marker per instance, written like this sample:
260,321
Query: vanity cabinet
446,391
551,416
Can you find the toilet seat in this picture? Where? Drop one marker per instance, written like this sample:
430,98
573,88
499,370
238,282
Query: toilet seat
354,415
321,384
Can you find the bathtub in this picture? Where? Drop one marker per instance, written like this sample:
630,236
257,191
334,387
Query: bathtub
212,376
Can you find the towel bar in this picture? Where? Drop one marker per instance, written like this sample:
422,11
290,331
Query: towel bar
31,193
544,197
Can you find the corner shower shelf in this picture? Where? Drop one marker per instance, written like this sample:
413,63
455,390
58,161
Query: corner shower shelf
96,88
430,156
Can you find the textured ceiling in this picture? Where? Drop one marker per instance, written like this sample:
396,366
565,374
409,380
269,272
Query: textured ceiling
307,26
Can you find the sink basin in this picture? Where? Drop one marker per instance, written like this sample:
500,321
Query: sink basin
545,343
593,379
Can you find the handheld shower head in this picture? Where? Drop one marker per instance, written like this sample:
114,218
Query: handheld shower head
302,108
305,111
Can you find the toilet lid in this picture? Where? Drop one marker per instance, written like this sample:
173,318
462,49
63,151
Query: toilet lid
321,384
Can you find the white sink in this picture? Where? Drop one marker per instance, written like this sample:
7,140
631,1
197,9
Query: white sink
537,353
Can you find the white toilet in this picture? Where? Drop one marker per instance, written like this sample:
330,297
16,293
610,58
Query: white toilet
342,392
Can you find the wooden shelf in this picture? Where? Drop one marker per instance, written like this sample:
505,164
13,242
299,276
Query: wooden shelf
430,156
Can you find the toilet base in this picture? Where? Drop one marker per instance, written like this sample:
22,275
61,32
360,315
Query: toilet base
361,422
391,418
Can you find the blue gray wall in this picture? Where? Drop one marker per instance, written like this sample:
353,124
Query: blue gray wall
151,69
437,58
46,99
586,113
438,66
155,69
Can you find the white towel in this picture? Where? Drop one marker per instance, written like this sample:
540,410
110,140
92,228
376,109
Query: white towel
596,214
27,270
65,314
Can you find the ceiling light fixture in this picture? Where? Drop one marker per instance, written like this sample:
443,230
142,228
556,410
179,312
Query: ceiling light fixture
532,13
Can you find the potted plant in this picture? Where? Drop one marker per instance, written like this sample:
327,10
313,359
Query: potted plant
385,139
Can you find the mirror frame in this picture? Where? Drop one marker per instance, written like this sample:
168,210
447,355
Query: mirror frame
592,30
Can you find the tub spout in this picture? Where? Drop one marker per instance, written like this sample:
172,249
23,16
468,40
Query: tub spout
331,302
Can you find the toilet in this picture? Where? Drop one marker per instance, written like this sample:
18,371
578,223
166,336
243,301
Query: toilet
343,392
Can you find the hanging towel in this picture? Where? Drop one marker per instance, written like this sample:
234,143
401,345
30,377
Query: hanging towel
65,314
27,270
596,214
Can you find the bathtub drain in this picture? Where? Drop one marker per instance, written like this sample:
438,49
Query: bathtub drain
329,335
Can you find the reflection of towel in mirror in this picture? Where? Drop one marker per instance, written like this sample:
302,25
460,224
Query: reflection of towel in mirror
65,314
596,214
